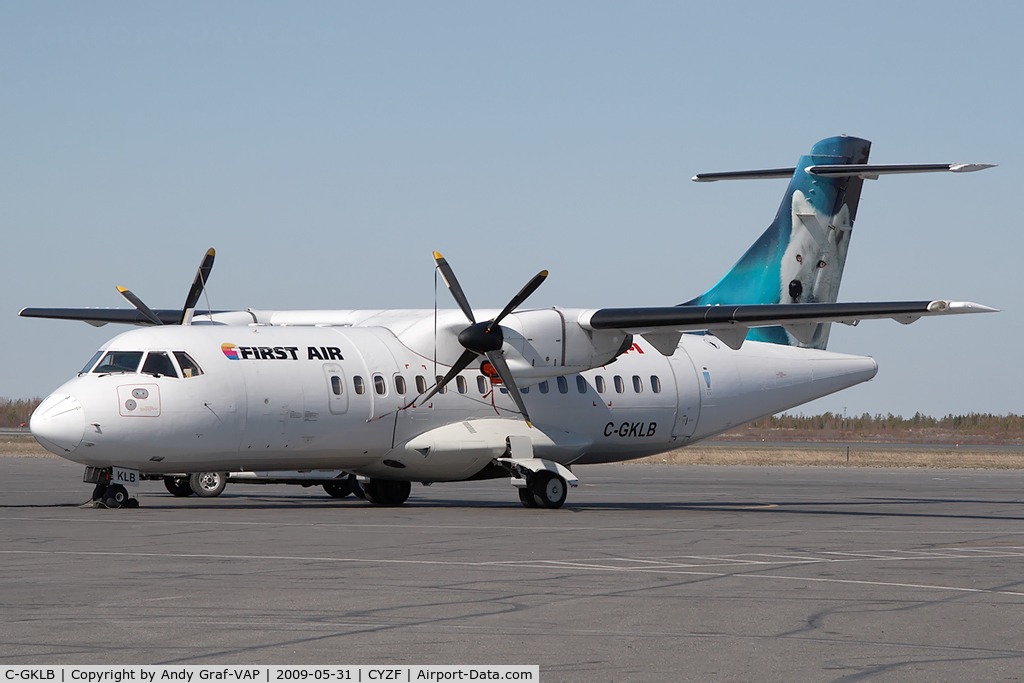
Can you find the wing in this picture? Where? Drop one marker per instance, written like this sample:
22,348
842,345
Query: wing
662,326
101,316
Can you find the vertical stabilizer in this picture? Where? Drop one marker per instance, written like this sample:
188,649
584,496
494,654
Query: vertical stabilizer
800,257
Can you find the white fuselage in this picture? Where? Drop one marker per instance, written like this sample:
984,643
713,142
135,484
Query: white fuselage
287,397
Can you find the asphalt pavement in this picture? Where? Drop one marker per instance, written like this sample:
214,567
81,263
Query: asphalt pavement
649,572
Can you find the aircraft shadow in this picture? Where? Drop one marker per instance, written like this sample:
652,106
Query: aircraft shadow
875,507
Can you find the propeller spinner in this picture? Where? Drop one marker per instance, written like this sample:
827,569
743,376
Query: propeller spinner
198,284
484,338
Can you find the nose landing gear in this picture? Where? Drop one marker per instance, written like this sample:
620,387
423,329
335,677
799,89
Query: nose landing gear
105,494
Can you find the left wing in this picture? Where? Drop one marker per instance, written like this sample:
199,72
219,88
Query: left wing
662,326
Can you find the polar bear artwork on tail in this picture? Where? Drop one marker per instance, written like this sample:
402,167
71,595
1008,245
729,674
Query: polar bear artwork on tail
812,265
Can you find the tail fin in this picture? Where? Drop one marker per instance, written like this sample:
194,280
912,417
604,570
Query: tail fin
800,257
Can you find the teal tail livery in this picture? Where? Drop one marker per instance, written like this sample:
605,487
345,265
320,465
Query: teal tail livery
800,257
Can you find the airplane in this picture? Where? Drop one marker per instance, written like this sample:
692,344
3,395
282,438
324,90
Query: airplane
392,397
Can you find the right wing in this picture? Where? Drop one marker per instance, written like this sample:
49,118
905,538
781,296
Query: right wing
662,326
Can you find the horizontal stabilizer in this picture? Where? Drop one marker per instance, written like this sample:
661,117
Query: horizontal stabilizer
744,175
872,171
867,171
725,321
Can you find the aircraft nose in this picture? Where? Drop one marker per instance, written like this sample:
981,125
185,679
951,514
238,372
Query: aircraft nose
58,423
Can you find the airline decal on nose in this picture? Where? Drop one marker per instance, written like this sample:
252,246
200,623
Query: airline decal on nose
233,352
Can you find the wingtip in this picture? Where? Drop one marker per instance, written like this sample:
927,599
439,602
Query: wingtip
970,168
960,307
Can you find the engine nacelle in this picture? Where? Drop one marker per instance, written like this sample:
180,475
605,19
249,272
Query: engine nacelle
549,342
539,344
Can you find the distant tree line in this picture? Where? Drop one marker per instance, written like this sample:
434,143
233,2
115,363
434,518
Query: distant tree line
1009,426
15,412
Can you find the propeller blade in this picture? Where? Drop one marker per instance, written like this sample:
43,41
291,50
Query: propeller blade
519,298
453,286
202,277
461,364
139,306
497,359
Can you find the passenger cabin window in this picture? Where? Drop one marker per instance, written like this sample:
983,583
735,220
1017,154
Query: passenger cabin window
481,384
119,361
400,385
524,390
159,364
543,386
358,384
336,385
92,362
379,385
460,382
619,385
638,384
563,385
655,384
189,368
421,384
444,389
599,381
581,384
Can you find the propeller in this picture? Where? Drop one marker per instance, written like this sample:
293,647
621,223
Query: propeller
484,338
198,284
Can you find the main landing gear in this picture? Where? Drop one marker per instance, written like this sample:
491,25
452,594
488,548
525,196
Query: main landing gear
541,483
387,492
202,484
544,490
178,486
383,492
343,487
208,484
106,494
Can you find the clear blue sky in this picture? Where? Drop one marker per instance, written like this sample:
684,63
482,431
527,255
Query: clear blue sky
325,149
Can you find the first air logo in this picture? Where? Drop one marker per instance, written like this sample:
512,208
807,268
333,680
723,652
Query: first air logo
233,352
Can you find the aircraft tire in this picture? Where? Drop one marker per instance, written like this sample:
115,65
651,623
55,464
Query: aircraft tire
208,484
178,486
387,492
526,497
342,488
117,496
549,490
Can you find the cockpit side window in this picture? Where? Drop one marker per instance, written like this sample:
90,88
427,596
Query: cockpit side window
159,364
189,368
92,362
119,361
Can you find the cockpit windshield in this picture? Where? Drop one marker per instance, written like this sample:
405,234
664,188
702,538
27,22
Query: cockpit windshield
119,361
92,362
159,364
189,368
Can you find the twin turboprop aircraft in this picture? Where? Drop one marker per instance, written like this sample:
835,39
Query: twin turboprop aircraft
395,397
